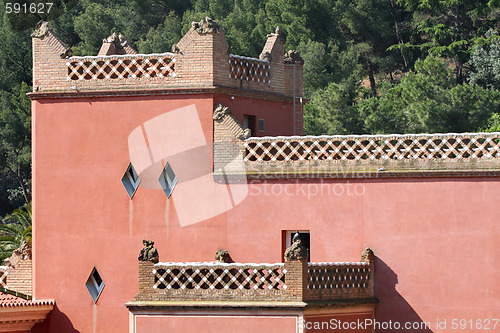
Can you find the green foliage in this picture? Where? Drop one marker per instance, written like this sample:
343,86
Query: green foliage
14,230
161,38
333,110
485,61
15,136
429,101
92,26
493,124
15,56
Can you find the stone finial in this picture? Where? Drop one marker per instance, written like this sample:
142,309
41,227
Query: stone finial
176,49
205,26
293,57
148,252
42,28
245,134
266,56
116,44
222,256
296,251
23,252
367,255
220,111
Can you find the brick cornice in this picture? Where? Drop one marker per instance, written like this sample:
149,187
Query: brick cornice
160,92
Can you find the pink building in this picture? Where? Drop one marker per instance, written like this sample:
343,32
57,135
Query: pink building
129,147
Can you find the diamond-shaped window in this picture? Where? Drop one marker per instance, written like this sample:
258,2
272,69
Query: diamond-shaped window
95,285
131,180
168,180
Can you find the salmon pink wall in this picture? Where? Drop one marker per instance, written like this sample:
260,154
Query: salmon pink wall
215,324
435,239
342,322
278,116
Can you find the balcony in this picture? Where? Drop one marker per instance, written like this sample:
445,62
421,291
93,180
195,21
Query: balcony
293,282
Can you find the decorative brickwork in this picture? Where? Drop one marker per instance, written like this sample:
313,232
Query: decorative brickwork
118,67
331,281
201,59
375,147
293,281
3,276
355,156
115,45
228,136
249,69
19,277
16,275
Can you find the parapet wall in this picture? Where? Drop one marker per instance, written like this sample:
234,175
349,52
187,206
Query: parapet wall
352,156
201,59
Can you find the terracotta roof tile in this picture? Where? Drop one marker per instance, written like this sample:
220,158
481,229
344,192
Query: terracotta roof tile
7,300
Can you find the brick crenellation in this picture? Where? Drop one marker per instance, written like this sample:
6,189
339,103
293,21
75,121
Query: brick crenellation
199,60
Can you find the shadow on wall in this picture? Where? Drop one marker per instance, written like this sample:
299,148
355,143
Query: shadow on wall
393,308
56,321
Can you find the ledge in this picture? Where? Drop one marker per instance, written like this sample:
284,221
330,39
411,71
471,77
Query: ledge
215,304
176,305
186,90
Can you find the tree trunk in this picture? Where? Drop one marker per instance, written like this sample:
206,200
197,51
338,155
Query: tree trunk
371,75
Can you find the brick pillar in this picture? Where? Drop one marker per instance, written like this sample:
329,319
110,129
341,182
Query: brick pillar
228,143
297,278
146,280
50,55
368,256
19,277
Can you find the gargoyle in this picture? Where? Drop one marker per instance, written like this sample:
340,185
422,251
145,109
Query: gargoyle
206,26
296,251
148,252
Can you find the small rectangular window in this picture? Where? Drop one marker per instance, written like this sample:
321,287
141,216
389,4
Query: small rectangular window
250,121
261,125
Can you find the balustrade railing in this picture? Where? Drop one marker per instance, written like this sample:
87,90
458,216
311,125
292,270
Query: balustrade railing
249,69
291,281
337,280
442,147
219,276
121,67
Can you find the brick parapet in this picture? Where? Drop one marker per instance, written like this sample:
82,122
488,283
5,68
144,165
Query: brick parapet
49,64
373,156
19,277
294,281
200,60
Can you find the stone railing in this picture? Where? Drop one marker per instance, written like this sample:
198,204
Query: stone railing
249,69
293,281
3,276
112,67
329,281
